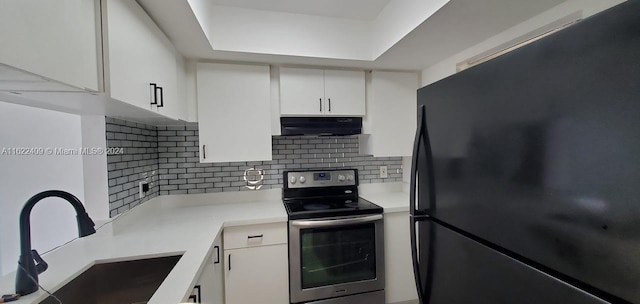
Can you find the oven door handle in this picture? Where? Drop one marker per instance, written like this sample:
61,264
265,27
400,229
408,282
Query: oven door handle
337,221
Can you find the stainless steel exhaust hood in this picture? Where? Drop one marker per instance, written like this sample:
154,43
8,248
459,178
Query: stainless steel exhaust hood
320,126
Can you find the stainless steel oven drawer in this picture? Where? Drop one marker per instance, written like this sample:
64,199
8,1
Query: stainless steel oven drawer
255,235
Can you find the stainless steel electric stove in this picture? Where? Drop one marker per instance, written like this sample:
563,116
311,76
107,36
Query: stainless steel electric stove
336,239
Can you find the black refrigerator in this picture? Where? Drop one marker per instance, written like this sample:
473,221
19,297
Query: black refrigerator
526,172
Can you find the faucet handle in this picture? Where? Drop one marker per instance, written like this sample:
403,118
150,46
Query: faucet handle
41,265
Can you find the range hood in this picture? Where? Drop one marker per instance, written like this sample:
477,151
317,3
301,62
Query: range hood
320,126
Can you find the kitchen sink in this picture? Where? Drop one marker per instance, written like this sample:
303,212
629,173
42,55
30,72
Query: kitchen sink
129,282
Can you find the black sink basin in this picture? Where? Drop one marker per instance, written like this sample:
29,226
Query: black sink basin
116,283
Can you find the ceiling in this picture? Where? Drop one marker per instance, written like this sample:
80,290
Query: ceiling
351,9
457,26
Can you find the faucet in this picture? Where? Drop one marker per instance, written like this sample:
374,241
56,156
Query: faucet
28,270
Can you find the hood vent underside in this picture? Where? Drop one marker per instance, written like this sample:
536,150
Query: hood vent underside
320,126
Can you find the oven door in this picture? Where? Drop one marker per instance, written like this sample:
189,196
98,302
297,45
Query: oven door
334,257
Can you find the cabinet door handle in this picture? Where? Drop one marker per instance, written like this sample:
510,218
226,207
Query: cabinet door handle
217,248
329,104
320,105
193,298
154,93
204,151
229,259
199,294
255,236
161,103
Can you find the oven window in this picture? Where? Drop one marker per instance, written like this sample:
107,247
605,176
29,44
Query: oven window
337,255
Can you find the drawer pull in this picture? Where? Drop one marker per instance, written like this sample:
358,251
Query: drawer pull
255,236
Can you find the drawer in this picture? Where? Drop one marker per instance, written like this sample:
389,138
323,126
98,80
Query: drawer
255,235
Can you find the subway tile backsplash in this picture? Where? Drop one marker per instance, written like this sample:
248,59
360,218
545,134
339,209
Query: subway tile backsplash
138,162
179,170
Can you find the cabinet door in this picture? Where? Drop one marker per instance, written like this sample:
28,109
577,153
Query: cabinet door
54,39
400,285
257,275
211,281
234,119
344,92
174,105
137,54
301,92
391,114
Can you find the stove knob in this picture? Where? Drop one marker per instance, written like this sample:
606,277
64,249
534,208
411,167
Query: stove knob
349,177
303,179
292,180
341,178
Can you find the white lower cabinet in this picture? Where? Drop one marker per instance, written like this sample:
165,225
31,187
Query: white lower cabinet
256,270
209,288
257,275
399,279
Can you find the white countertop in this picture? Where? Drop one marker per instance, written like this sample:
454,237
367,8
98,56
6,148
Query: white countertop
174,225
163,226
393,197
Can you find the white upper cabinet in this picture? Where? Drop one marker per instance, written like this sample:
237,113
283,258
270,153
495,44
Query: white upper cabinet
106,46
57,40
344,92
140,61
301,91
311,92
390,125
234,112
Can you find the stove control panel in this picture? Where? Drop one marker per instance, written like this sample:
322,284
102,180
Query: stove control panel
327,178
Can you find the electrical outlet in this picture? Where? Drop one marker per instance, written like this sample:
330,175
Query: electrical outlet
144,188
383,172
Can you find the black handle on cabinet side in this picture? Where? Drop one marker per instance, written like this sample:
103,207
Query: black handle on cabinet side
329,104
204,151
217,248
154,93
229,259
255,236
193,298
199,293
161,103
320,105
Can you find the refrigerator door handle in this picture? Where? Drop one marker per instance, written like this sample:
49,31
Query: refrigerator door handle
424,295
414,161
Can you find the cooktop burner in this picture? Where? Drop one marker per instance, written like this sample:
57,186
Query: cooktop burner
315,206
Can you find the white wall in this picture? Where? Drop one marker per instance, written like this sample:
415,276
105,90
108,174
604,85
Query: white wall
53,220
264,32
447,67
96,186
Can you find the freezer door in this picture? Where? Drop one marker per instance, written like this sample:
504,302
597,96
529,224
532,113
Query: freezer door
457,270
